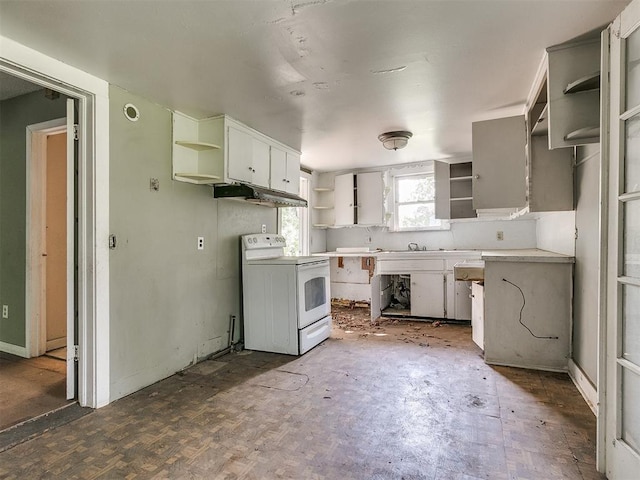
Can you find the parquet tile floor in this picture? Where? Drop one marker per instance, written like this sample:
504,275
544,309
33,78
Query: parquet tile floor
402,400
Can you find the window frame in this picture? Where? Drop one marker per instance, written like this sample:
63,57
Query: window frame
303,214
395,226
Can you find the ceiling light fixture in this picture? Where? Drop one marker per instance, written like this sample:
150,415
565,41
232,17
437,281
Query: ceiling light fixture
395,140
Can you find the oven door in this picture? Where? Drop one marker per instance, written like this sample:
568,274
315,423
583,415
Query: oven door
314,297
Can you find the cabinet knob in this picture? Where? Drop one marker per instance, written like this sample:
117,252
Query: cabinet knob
284,180
476,177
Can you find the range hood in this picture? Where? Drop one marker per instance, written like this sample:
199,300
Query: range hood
258,195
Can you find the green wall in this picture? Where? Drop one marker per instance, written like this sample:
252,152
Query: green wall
169,303
15,115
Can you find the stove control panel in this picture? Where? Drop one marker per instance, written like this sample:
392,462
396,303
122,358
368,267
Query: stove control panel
263,240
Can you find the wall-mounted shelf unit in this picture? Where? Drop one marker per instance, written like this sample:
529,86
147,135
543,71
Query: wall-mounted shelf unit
548,173
322,206
573,90
454,190
194,160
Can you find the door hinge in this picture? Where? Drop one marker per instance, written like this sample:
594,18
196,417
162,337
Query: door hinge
576,234
76,132
75,352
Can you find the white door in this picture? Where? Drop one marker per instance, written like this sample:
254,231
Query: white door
343,199
623,295
71,236
370,192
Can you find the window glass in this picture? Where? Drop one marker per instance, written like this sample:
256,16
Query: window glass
294,224
415,202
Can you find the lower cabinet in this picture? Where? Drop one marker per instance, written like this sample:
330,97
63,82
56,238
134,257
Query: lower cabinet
428,295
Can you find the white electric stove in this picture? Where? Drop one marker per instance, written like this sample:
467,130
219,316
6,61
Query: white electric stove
286,300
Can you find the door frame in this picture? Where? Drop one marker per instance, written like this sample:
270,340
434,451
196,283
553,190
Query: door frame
35,307
92,95
621,461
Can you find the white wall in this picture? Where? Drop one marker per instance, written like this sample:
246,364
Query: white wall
170,303
475,234
555,231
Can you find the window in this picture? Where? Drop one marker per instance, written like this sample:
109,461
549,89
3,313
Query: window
294,223
414,202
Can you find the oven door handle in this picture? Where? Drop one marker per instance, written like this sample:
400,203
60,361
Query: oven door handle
311,266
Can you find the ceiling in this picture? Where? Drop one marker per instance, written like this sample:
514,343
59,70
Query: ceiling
326,77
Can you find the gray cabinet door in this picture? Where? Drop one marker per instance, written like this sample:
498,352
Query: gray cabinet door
499,163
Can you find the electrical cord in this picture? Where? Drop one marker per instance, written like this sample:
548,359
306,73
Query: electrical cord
524,302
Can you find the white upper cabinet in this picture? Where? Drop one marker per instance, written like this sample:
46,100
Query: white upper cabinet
248,158
359,199
499,163
285,170
223,150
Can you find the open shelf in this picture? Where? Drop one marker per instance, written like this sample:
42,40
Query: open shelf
321,207
584,84
460,199
198,146
583,133
541,126
196,178
323,189
320,225
460,179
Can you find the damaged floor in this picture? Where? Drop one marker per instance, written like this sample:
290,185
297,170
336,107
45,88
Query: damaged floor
388,401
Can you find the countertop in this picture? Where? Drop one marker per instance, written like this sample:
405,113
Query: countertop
529,255
534,255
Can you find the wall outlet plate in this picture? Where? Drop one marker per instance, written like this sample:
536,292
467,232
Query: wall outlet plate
200,243
5,311
264,228
499,235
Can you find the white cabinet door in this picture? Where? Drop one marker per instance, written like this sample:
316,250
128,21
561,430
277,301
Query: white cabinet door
248,158
260,156
477,314
427,295
344,199
293,173
443,192
278,169
462,300
370,194
499,163
240,155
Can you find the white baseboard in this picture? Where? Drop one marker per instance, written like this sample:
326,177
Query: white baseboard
585,387
13,349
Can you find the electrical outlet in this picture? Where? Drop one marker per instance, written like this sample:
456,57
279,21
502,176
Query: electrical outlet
200,243
367,239
499,235
5,311
264,228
